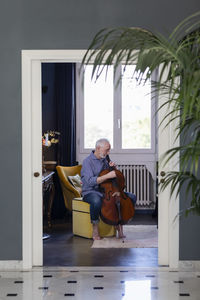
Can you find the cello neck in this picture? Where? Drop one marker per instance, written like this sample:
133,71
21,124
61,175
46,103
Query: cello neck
108,160
114,180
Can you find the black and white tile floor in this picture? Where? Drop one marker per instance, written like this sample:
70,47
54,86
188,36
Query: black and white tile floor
99,283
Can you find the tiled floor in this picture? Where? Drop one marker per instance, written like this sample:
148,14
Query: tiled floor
75,271
84,274
103,283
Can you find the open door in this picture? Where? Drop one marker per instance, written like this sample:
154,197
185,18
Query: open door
168,206
168,230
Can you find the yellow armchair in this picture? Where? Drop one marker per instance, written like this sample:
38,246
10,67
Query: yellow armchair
81,221
80,210
69,192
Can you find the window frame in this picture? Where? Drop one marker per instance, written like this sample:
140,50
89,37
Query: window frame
117,115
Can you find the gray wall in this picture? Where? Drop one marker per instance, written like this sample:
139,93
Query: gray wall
189,233
189,226
57,24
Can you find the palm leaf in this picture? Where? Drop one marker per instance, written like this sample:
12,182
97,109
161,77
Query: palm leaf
177,180
178,59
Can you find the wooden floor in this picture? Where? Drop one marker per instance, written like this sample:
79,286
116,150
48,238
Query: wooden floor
64,249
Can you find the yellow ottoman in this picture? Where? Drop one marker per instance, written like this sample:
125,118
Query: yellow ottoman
81,221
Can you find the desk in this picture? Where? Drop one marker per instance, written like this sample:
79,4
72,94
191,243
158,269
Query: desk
48,186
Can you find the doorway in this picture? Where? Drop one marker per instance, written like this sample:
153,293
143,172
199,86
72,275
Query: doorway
32,189
60,107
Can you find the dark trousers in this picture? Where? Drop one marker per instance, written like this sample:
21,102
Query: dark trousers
95,202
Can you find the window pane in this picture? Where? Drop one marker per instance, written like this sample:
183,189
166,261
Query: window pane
98,107
136,112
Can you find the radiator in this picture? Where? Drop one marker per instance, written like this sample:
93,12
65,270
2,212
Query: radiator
138,180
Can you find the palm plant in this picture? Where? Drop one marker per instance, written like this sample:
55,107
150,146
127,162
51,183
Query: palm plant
176,56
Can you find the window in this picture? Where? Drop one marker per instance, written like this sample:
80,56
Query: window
98,108
123,113
136,112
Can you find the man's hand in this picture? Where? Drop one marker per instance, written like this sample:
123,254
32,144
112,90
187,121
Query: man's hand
116,194
112,164
111,174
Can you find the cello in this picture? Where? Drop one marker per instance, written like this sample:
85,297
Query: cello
117,208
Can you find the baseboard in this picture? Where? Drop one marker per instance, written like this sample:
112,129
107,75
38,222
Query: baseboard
7,265
184,265
189,265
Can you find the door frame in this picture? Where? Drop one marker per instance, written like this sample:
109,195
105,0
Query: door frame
168,229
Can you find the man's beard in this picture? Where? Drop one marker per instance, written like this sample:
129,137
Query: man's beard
102,155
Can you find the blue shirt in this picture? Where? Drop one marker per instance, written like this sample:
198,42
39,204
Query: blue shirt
91,168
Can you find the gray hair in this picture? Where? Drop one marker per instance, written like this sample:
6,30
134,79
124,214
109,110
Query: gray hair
101,142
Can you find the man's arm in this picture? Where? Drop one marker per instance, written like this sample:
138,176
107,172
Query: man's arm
87,173
89,177
105,177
